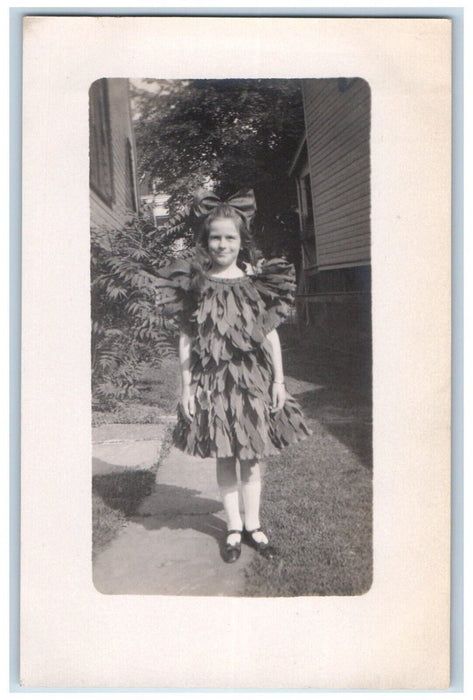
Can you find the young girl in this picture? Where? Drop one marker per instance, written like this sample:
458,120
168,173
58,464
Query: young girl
234,405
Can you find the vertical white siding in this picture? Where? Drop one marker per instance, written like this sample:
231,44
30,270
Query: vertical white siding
337,115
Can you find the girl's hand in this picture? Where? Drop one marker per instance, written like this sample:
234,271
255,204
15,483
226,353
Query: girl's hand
188,403
278,395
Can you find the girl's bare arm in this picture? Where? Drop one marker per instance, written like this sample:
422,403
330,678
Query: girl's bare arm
278,388
184,358
187,398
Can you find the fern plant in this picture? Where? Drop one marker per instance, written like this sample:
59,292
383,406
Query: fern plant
127,333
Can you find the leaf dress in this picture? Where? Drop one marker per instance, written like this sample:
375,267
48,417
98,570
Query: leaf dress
231,365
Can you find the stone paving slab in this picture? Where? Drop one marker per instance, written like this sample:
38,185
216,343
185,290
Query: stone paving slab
180,469
125,431
173,544
118,446
181,558
113,457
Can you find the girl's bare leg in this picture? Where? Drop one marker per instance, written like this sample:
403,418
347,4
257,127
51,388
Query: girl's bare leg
228,483
251,492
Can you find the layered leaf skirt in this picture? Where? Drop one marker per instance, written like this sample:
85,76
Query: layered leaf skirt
233,416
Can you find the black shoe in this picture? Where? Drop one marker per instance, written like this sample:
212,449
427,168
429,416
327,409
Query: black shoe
264,548
231,552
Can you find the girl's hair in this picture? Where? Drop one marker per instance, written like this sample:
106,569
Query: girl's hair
202,260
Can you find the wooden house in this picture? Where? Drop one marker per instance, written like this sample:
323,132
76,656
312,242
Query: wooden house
332,172
113,171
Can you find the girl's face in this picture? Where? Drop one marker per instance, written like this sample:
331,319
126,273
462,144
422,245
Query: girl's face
223,243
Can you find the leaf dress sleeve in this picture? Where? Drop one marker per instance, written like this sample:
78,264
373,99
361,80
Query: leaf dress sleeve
174,298
276,286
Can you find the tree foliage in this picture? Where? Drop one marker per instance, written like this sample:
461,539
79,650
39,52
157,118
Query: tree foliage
229,134
126,330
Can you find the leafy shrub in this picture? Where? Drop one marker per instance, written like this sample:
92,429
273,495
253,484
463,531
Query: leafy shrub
127,332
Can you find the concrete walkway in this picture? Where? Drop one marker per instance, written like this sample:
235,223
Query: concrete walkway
172,545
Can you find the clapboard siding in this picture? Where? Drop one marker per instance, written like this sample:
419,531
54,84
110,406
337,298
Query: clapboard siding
355,242
328,95
334,115
347,131
338,129
346,259
353,220
338,153
349,171
351,232
116,213
330,160
101,214
345,214
349,191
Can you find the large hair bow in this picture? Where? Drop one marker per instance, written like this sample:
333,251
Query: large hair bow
243,202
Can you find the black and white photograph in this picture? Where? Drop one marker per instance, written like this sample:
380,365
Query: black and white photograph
236,353
231,336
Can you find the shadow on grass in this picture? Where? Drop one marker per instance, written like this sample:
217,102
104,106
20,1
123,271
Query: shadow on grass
342,401
123,491
115,497
350,424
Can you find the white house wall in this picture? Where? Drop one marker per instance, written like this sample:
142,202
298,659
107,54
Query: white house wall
114,216
337,115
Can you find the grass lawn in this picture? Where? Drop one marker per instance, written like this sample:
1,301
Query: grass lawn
317,494
106,523
158,392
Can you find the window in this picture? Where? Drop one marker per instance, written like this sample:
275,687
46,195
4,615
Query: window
306,217
307,209
100,147
130,178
